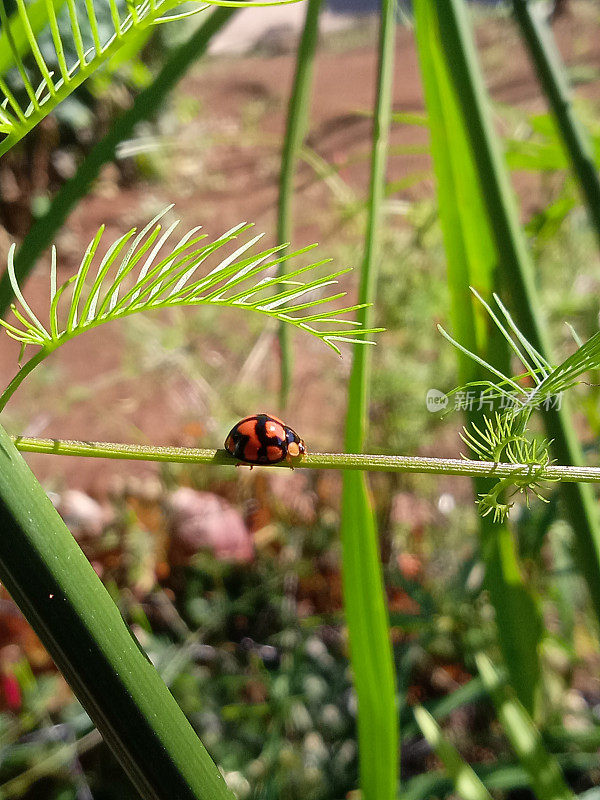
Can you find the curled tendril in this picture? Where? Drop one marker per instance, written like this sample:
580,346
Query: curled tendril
502,438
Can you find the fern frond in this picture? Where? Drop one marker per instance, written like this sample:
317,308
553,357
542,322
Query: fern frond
21,53
149,269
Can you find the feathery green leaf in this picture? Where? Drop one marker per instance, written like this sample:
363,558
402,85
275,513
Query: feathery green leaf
147,270
18,40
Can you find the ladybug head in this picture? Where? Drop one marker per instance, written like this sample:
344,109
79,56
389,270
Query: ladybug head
296,448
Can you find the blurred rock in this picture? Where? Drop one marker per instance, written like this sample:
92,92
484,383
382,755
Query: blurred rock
446,503
410,511
577,716
410,566
315,750
83,516
204,521
269,656
331,721
299,720
346,754
238,784
315,688
64,162
316,649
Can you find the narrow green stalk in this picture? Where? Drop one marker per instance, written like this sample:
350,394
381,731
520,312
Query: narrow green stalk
60,594
343,461
43,231
296,126
356,421
551,72
364,592
21,375
516,267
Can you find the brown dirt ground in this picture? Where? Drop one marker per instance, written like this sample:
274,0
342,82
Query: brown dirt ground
220,166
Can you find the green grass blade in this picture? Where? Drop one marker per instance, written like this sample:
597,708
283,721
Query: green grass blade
297,123
364,597
517,269
518,616
466,783
544,772
44,229
552,75
53,583
472,259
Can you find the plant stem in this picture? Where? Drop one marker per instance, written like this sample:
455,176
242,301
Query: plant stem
342,461
364,589
145,106
297,123
65,602
538,36
21,375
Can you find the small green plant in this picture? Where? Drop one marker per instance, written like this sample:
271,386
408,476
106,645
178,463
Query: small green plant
499,440
505,436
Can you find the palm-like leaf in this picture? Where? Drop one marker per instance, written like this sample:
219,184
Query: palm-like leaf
147,270
43,88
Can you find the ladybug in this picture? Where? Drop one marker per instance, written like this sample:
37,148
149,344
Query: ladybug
263,439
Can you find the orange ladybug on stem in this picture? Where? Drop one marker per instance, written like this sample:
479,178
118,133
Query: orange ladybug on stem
263,439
